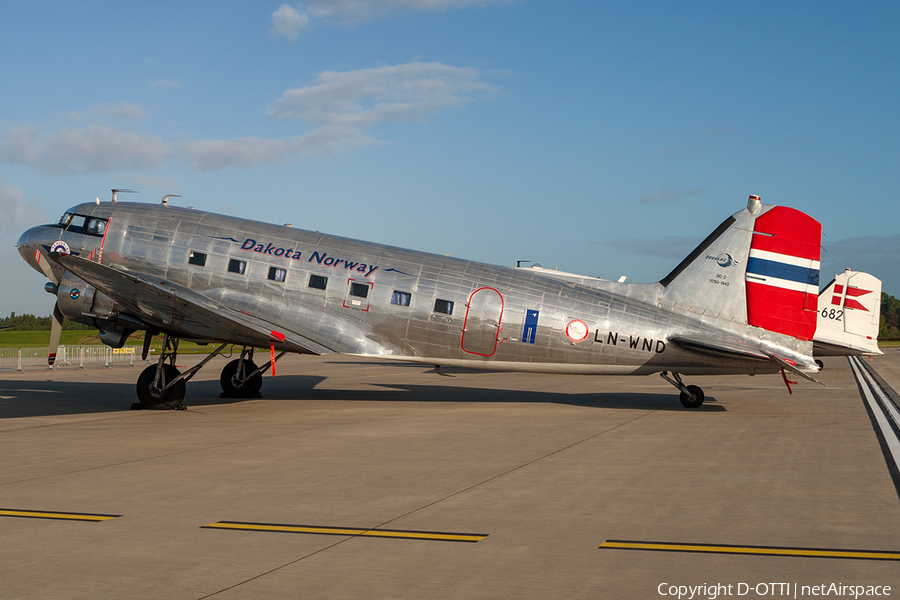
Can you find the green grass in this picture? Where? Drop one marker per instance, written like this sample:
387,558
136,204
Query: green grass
41,339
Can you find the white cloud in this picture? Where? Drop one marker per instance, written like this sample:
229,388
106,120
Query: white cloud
18,214
340,105
400,93
121,110
211,155
94,149
287,22
350,12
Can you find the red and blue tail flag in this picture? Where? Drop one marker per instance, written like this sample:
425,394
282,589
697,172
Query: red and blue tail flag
783,273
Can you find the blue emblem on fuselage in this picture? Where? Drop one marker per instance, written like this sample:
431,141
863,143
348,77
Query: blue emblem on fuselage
75,293
723,260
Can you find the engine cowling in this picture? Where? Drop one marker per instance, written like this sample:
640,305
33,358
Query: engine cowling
83,303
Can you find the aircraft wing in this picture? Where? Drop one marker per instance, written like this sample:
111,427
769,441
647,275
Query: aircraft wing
721,345
175,308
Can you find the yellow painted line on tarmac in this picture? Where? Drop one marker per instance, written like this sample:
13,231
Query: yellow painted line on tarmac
350,531
66,516
758,550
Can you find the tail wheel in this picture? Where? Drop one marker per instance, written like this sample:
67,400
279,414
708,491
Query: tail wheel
694,399
151,396
232,387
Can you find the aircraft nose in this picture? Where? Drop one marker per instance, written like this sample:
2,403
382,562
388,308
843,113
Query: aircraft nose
30,242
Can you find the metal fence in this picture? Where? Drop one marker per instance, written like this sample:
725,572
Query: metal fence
68,356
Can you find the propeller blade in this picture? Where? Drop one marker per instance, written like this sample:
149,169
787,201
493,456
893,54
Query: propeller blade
44,263
55,331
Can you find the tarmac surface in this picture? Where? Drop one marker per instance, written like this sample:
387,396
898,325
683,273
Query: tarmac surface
361,479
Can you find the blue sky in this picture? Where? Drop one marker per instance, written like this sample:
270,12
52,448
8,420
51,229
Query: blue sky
605,139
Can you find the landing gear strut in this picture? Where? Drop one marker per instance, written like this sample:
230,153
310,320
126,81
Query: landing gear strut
241,378
162,385
691,395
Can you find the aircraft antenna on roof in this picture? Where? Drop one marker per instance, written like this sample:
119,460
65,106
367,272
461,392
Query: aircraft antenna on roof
165,200
114,199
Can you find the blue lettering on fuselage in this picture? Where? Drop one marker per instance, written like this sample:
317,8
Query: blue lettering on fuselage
321,258
270,249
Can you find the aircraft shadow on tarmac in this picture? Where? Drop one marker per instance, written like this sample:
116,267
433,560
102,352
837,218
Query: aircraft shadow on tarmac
34,397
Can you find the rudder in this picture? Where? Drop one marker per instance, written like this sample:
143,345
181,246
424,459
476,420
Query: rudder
783,273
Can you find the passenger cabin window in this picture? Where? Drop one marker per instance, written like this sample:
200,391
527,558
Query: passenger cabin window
360,290
444,307
401,298
237,266
318,282
277,274
197,258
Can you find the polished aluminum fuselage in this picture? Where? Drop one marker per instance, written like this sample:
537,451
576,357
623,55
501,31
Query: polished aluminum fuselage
502,318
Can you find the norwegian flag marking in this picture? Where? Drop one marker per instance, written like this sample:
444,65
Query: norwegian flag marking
783,273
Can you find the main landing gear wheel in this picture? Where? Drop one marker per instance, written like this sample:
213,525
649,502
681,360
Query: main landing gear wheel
694,398
238,387
691,395
152,396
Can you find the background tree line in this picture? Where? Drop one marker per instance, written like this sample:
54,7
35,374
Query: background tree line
33,323
889,329
890,318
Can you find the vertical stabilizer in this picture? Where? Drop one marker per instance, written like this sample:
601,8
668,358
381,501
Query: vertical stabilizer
759,268
849,315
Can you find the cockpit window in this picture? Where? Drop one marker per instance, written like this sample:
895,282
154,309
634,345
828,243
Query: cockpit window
82,224
76,223
96,227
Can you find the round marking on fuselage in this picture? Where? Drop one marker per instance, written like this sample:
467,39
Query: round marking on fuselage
577,330
60,247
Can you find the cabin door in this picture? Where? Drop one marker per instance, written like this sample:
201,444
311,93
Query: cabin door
481,329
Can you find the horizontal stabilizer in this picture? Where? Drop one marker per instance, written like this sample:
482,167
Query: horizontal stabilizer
724,345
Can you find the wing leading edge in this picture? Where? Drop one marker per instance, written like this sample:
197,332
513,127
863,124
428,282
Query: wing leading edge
177,309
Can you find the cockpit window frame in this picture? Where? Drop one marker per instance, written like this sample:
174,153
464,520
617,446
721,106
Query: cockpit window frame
83,224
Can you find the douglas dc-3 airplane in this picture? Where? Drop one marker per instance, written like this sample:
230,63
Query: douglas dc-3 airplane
744,301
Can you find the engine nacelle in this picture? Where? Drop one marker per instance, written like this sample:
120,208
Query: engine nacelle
83,303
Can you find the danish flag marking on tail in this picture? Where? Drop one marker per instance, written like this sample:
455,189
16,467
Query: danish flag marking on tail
782,273
849,302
